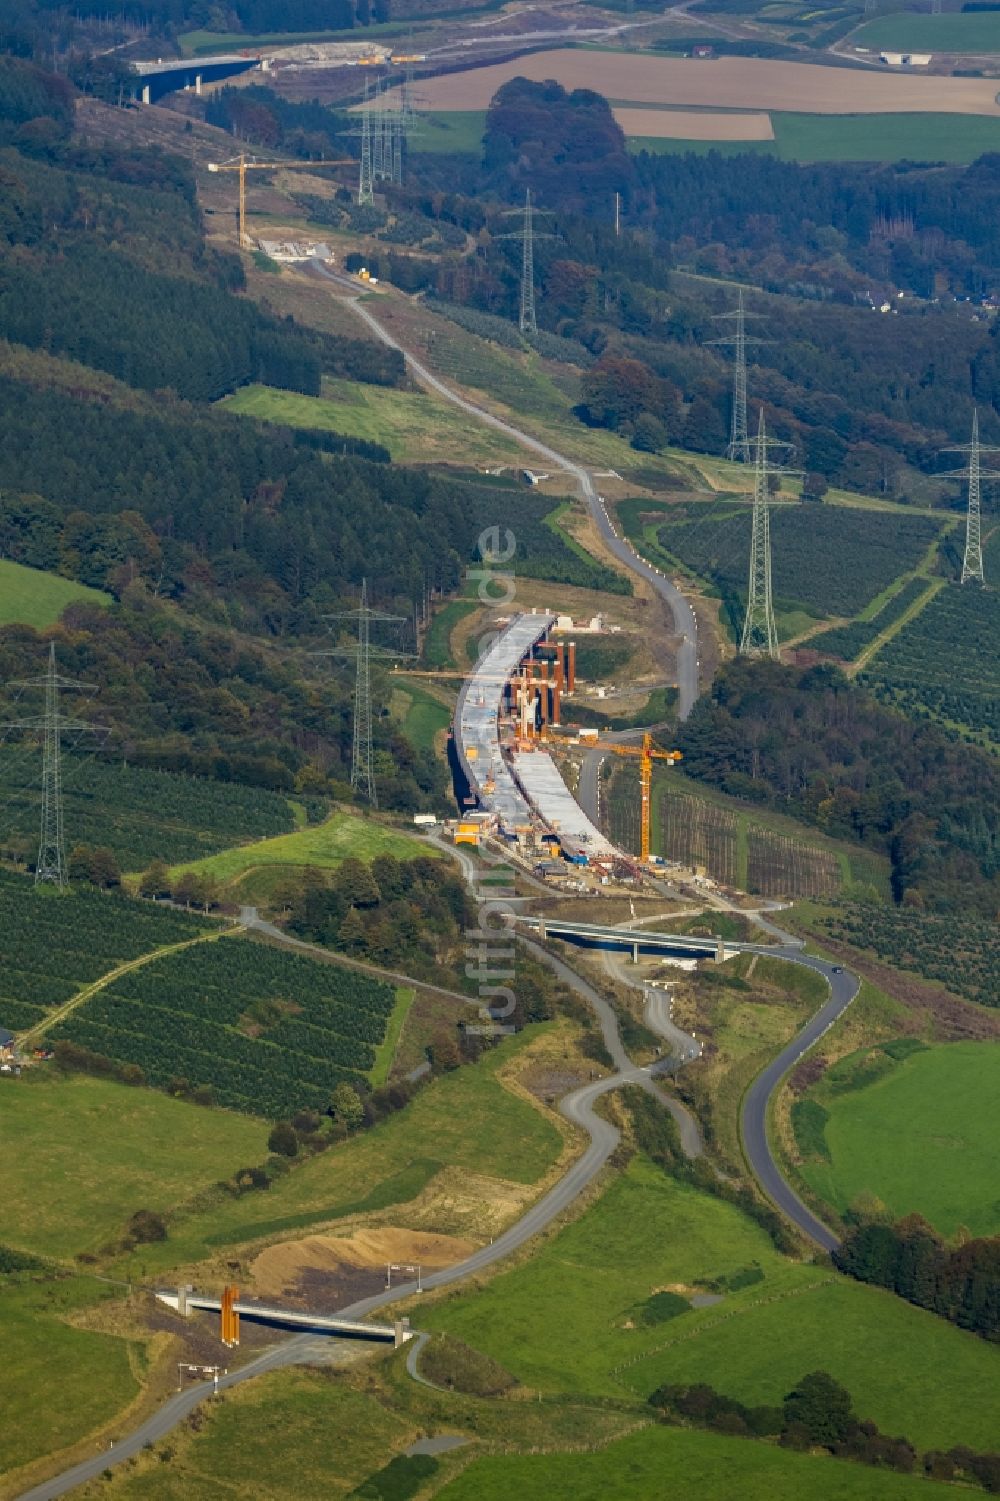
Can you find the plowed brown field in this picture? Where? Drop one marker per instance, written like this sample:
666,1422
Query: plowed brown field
695,124
726,82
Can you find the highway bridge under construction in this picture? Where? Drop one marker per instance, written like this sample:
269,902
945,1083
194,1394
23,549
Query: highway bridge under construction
507,707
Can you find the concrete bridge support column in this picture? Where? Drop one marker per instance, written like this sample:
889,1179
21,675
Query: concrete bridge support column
182,1300
197,83
635,953
400,1332
146,98
720,949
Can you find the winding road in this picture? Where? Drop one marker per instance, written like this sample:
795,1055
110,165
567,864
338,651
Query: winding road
685,625
578,1106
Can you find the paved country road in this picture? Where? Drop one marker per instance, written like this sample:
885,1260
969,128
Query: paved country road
685,625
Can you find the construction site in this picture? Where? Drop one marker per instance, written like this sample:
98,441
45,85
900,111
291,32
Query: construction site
506,726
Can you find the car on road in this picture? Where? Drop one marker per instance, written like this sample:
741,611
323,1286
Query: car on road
838,969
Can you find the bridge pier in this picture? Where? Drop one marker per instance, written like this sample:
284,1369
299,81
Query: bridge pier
400,1332
720,949
542,933
146,98
182,1300
635,953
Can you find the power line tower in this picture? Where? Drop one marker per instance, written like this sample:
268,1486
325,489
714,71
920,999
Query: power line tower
52,724
760,636
366,192
527,234
972,560
362,772
740,448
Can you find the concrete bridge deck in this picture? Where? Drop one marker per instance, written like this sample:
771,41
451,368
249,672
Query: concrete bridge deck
634,940
293,1318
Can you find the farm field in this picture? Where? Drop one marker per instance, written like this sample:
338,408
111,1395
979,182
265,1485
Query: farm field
699,1465
140,815
457,1128
270,1031
973,32
421,716
920,1136
748,847
415,427
959,952
91,1152
324,845
695,125
943,664
727,82
557,1323
30,597
862,551
848,641
52,945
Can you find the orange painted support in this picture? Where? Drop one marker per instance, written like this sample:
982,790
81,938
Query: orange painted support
229,1319
556,695
571,667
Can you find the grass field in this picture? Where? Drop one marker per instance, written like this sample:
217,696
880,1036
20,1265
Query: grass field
464,1121
90,1153
974,32
415,427
323,845
921,1138
682,1465
340,1436
57,1383
907,1370
561,1322
30,597
420,715
450,131
908,136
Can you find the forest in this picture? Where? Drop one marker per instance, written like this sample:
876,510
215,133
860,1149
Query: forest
806,741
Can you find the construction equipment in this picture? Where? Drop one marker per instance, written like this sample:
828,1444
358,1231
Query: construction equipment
241,165
646,753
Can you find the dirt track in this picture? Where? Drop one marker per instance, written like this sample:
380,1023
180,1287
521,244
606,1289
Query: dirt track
695,124
727,82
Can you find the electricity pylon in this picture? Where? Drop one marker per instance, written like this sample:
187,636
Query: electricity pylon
50,867
527,234
365,176
362,771
740,447
760,635
972,560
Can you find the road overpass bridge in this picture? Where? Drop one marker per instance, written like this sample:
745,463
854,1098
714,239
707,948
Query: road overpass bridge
167,75
186,1301
635,941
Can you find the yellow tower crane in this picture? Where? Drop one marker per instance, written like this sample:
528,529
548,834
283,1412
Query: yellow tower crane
241,165
646,753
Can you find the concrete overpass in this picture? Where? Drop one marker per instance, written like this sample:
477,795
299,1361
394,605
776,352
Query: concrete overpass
166,76
185,1301
635,941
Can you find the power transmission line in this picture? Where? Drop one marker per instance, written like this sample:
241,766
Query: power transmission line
760,635
366,193
362,770
50,867
740,446
527,234
972,560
